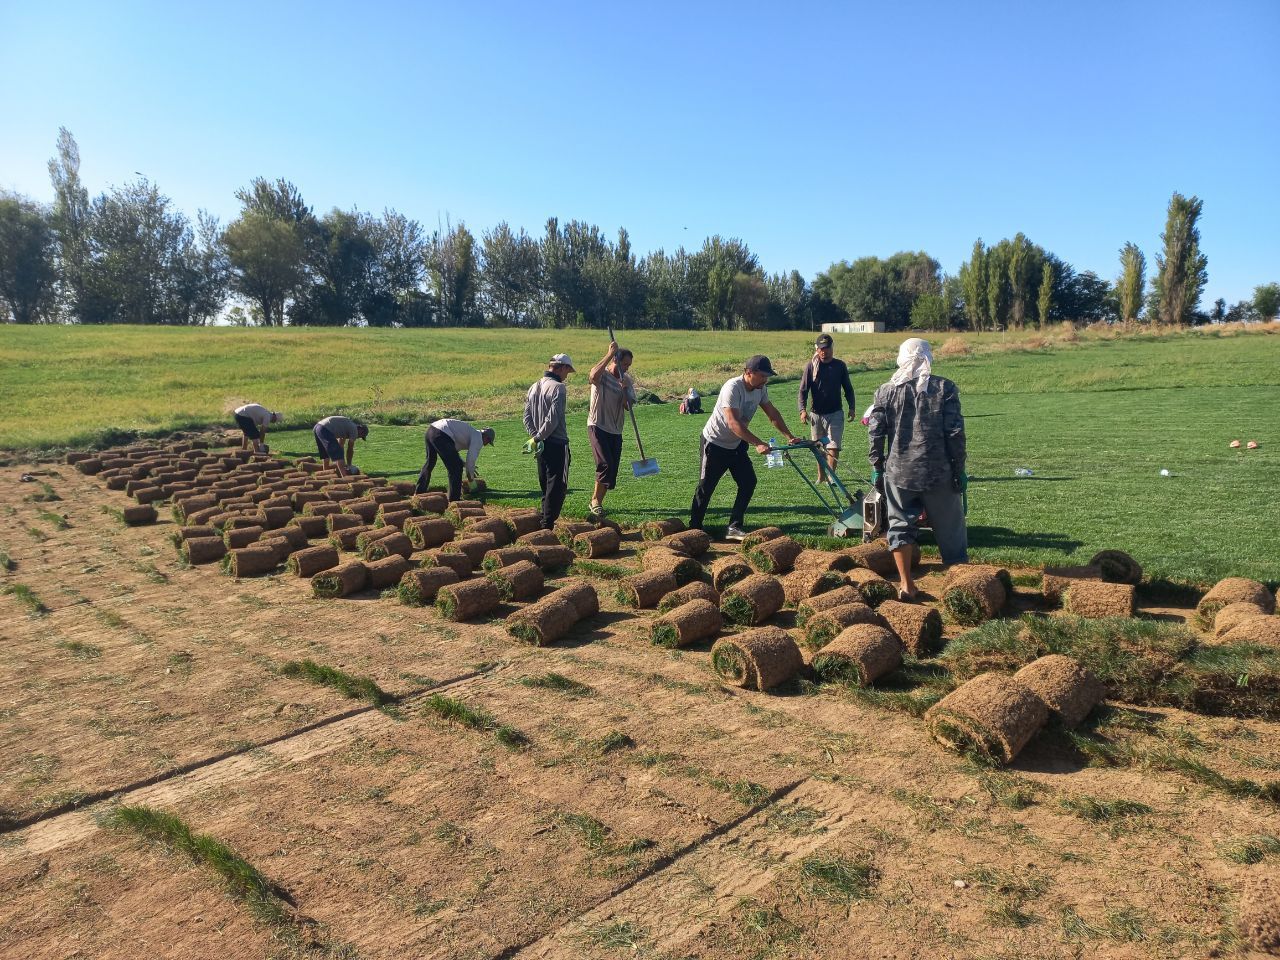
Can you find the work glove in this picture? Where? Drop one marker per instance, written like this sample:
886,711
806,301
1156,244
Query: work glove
960,482
528,445
877,480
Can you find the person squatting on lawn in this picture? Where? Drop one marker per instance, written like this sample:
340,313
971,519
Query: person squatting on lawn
724,439
612,392
330,433
545,424
918,416
826,377
252,419
444,439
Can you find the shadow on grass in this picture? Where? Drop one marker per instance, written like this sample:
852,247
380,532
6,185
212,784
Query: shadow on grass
998,537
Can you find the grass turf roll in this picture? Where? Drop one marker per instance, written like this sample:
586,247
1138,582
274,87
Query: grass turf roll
1057,580
346,539
690,591
973,596
392,518
554,558
474,548
692,543
321,508
1095,599
822,628
657,529
1233,590
566,530
457,562
583,596
861,655
427,533
758,659
506,556
820,561
727,571
753,601
1259,918
873,588
800,585
875,556
540,538
195,531
757,537
251,561
1235,613
419,587
344,521
991,715
363,509
395,545
917,626
544,622
296,539
520,581
827,601
495,526
467,600
185,506
367,537
687,624
1117,566
340,581
1068,688
312,560
139,515
776,556
430,502
684,569
643,590
964,569
601,542
388,571
522,524
1255,631
200,550
277,517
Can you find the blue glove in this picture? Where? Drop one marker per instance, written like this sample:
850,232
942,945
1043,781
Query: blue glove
540,447
877,479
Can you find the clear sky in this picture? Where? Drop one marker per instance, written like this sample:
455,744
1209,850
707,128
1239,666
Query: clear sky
815,132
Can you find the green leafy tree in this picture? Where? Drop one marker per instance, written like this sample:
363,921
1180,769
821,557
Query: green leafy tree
393,293
973,281
929,312
998,285
453,275
1131,287
1044,301
341,263
668,290
1181,270
509,276
70,221
1266,301
28,274
268,263
712,276
1021,261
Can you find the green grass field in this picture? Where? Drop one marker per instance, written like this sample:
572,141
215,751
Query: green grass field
1096,421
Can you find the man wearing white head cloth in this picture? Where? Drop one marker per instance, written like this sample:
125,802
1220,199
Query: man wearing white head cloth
918,458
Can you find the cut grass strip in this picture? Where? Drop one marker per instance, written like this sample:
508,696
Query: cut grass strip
557,682
838,879
601,571
599,837
55,520
6,561
27,597
1250,850
477,718
349,685
1103,811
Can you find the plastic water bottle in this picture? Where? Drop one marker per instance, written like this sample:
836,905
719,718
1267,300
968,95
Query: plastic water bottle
1023,472
774,457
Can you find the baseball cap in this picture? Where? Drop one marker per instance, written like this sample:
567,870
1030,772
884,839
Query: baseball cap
561,358
824,340
760,363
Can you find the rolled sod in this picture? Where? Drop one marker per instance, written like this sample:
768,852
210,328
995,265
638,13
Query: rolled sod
692,543
539,538
495,526
296,539
727,571
404,487
340,492
1095,599
185,506
321,508
241,537
467,600
964,569
917,626
251,561
89,466
200,550
388,571
1227,617
120,482
698,590
372,535
754,600
819,561
1259,918
392,518
757,537
777,556
427,533
684,569
309,561
687,624
553,558
381,495
827,601
77,456
302,498
468,505
457,562
340,581
346,539
992,715
566,530
520,581
973,596
343,521
800,585
139,515
644,590
1117,566
148,495
395,545
277,517
430,502
601,542
1057,580
363,509
506,556
419,587
544,622
822,628
1233,590
1068,688
522,524
657,529
861,655
583,596
1255,631
457,514
193,532
473,548
874,588
758,659
278,546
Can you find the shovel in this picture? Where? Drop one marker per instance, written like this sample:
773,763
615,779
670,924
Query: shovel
644,467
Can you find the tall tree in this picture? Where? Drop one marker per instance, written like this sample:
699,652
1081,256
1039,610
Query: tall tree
1266,301
998,284
268,263
28,274
342,266
509,271
973,280
1044,301
70,221
1132,285
1021,264
394,293
1181,270
452,270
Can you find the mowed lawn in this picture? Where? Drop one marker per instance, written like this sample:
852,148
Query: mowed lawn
1096,422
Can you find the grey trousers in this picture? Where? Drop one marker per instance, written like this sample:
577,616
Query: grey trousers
946,515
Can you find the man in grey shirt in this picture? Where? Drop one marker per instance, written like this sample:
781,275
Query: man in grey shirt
724,443
330,434
612,391
549,435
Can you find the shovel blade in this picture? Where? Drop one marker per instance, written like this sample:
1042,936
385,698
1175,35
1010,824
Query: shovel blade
644,468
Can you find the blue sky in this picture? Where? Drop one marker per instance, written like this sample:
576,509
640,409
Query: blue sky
815,132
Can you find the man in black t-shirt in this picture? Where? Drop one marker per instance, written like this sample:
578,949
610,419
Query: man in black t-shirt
826,378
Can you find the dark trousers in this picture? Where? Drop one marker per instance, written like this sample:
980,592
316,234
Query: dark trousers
441,446
553,479
716,461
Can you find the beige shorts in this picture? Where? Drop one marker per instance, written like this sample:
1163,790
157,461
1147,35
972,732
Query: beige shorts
831,426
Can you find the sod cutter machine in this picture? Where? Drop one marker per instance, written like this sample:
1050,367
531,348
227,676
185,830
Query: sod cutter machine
852,514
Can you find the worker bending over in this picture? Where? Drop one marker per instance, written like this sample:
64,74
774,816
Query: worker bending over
252,419
445,438
331,433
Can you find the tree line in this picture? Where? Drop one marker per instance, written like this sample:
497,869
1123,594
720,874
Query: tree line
128,256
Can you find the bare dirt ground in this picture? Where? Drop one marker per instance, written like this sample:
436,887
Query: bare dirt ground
654,812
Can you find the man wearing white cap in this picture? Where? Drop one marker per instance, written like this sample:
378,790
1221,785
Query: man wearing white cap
252,419
545,424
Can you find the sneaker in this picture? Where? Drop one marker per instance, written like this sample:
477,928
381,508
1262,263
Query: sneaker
735,533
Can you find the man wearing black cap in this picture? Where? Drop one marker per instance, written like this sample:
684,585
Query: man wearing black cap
725,438
826,377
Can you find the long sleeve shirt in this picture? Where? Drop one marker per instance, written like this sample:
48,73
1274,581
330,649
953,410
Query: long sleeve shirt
465,437
832,378
923,431
544,410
